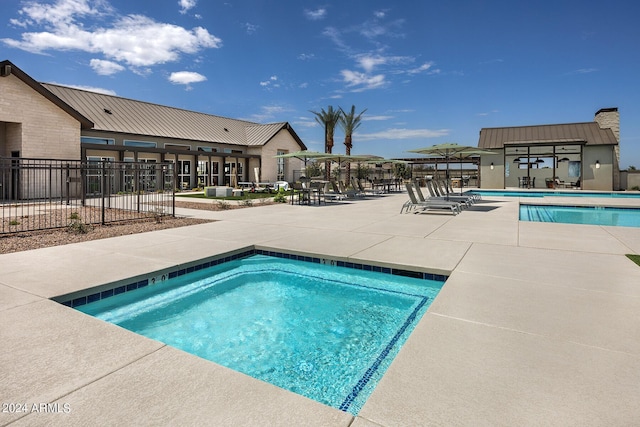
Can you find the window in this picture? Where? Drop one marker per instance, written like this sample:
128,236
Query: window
280,166
144,144
208,149
101,141
178,146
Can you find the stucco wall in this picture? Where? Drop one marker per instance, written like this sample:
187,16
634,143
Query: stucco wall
35,126
492,178
597,178
282,141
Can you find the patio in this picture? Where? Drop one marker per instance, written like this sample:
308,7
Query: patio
537,324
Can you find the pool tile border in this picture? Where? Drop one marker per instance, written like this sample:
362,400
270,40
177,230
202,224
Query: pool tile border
180,271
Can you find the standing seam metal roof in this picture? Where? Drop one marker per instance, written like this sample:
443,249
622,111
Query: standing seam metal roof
122,115
588,133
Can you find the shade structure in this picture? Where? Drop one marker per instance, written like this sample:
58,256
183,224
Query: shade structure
385,162
303,155
451,150
343,158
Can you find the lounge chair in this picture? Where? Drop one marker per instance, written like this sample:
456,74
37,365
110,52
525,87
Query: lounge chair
335,193
445,189
349,193
414,203
438,195
358,186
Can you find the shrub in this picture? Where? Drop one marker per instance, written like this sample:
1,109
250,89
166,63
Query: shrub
280,197
223,205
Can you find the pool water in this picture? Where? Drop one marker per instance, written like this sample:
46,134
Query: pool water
553,193
325,332
592,215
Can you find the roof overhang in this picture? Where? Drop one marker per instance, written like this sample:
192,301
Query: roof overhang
8,68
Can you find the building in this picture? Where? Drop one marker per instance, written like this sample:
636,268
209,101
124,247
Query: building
47,121
570,155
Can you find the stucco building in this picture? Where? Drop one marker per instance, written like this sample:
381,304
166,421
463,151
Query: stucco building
47,121
569,155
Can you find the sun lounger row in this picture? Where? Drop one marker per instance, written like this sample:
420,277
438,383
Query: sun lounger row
439,199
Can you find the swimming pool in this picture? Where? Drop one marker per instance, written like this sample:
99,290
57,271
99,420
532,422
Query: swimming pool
591,215
553,193
325,332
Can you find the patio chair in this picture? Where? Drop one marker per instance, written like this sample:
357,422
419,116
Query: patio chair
349,193
358,186
414,203
303,194
335,193
435,195
448,191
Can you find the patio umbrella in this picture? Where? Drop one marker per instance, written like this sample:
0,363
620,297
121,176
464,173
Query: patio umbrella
303,155
450,150
466,155
343,158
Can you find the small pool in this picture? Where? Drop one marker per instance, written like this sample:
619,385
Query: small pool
325,332
591,215
553,193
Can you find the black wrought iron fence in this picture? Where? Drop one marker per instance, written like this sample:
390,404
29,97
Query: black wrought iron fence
37,194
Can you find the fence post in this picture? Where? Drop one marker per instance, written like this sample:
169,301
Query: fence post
136,185
68,183
103,182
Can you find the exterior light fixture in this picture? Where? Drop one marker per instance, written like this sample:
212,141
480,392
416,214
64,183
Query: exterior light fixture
597,164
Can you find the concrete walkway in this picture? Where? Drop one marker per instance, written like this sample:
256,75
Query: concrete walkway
538,324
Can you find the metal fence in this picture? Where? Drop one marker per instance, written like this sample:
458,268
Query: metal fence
38,194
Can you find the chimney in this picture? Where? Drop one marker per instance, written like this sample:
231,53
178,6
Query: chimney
609,118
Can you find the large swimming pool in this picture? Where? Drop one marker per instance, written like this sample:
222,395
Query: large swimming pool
325,332
592,215
554,193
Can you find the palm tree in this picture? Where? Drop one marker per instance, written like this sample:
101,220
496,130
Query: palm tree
349,122
328,119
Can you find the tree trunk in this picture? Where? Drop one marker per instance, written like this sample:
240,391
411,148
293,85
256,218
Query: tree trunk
347,150
327,165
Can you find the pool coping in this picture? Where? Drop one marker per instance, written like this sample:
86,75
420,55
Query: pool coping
107,290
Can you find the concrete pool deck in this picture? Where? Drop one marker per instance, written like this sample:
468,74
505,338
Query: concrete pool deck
538,323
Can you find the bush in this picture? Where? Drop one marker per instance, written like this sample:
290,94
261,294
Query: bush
280,197
224,205
78,227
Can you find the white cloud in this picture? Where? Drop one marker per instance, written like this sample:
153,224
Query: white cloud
185,5
315,15
368,118
268,113
105,68
361,81
368,62
90,89
379,14
396,134
250,28
423,68
305,122
186,78
272,82
306,56
135,40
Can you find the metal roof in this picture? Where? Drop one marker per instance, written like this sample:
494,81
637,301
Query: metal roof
122,115
588,133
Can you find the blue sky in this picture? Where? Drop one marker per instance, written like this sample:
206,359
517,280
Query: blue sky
426,71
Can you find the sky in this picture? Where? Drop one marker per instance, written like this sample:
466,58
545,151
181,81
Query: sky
426,72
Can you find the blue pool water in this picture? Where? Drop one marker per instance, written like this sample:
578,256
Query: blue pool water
552,193
325,332
592,215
